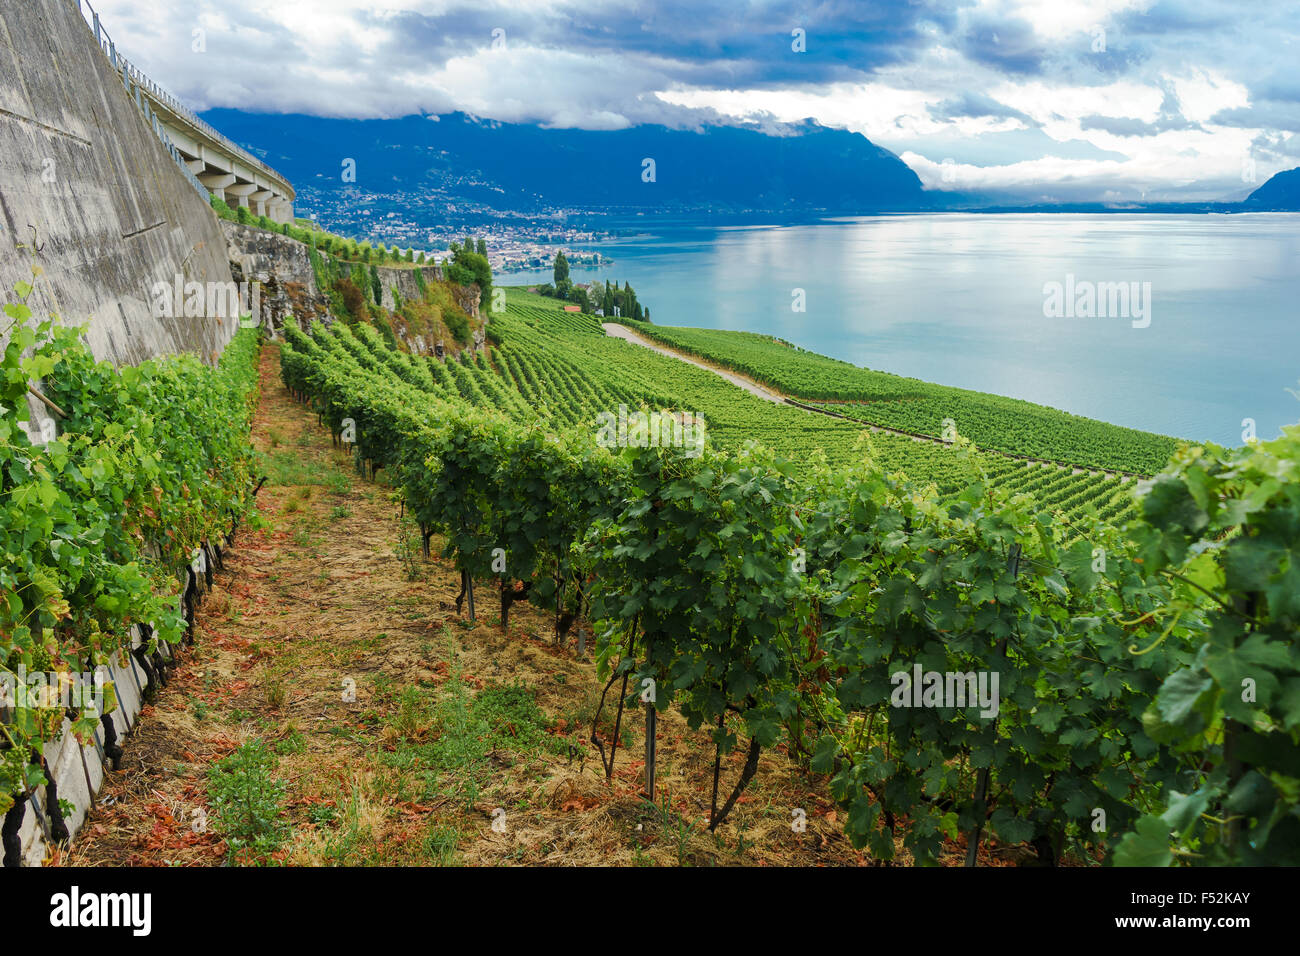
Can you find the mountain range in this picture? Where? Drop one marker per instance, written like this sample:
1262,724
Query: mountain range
526,168
488,166
1281,193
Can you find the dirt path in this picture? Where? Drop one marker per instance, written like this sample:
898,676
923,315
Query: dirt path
735,378
454,725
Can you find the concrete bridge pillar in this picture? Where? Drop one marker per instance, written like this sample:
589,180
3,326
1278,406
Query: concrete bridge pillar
258,202
280,209
217,183
241,192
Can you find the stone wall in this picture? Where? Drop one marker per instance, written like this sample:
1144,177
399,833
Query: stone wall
288,286
282,267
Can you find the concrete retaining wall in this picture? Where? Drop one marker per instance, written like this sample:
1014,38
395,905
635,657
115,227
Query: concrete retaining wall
92,194
89,195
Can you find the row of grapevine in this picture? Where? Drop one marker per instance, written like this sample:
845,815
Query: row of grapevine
533,332
100,524
782,604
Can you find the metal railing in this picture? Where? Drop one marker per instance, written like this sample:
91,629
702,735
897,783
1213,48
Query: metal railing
142,88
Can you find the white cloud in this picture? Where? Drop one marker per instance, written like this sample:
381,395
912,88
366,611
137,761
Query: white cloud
1168,69
1203,93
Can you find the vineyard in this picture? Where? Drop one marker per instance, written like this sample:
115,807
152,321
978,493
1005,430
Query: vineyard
781,597
773,605
991,421
538,344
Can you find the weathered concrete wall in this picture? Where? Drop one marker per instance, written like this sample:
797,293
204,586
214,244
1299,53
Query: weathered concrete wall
88,188
89,195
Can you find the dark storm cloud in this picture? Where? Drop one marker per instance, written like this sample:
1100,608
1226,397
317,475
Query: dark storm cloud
722,44
1004,43
971,105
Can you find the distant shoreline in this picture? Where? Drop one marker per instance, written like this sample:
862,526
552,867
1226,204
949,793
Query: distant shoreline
1192,208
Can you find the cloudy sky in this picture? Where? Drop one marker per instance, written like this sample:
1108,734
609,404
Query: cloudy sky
1094,99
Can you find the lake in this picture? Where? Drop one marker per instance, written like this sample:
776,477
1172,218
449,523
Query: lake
960,300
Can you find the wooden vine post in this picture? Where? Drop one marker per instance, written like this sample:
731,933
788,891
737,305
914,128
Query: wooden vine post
982,782
651,720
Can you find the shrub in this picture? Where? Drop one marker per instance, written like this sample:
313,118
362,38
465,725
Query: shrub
458,325
354,303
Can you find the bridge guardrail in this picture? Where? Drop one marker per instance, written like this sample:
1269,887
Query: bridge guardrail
136,81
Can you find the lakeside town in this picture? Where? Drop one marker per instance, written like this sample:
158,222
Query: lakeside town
515,242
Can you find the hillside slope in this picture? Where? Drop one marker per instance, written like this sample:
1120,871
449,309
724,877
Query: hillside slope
1008,425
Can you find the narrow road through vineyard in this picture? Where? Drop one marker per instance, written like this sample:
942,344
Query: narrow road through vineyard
619,331
735,378
454,727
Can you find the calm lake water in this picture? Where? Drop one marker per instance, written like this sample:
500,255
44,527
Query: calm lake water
959,300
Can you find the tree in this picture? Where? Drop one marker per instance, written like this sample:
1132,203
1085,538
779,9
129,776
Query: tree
376,286
578,295
561,269
469,268
482,248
